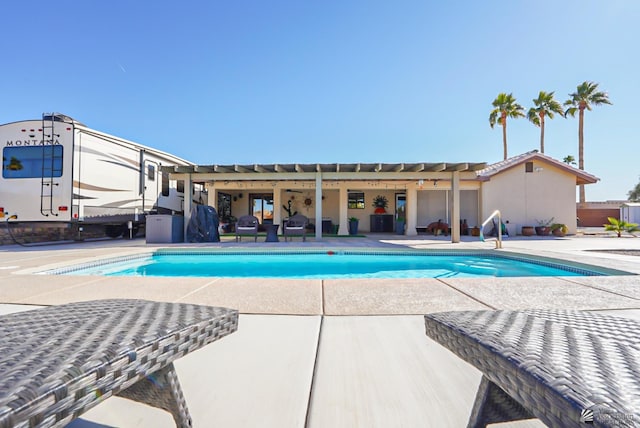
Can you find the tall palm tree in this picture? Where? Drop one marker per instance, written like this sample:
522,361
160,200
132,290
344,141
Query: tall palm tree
505,106
545,105
587,94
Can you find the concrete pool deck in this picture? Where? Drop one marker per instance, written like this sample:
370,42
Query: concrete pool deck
332,353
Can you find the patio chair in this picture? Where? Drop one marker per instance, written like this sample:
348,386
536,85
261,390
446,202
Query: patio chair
566,368
60,361
247,225
296,226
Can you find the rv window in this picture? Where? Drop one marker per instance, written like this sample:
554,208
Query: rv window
151,172
32,161
165,183
180,186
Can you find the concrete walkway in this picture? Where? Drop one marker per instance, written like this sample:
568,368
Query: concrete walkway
333,353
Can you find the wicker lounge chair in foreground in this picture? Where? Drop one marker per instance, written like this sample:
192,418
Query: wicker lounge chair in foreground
566,368
60,361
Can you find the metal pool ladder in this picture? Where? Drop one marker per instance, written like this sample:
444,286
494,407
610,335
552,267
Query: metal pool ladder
494,214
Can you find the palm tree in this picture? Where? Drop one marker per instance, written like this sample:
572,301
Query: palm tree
505,106
581,100
545,105
634,195
569,160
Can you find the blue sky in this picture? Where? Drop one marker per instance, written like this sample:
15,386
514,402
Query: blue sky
247,81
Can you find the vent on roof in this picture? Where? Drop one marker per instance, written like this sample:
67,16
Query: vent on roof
528,167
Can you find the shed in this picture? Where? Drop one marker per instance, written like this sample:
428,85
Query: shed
630,212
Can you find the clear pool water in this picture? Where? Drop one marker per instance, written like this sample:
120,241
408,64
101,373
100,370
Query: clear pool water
329,265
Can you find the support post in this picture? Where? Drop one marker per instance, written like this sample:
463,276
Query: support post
344,205
188,203
318,206
455,207
412,211
277,206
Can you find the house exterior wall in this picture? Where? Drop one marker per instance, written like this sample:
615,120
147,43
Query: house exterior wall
524,198
527,198
432,206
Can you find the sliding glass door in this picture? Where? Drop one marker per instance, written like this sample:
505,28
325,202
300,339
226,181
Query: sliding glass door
262,207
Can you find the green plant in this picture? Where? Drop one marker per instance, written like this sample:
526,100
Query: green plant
545,223
559,226
620,226
380,201
505,106
545,105
353,219
586,96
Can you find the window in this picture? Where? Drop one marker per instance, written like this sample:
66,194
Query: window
165,183
151,172
356,200
262,207
528,167
180,186
32,161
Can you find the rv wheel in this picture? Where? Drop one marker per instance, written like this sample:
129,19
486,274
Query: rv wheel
113,231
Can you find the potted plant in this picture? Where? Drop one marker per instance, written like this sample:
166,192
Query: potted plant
528,231
559,229
380,202
400,226
353,225
543,228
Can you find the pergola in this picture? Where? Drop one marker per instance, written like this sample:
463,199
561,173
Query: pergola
408,176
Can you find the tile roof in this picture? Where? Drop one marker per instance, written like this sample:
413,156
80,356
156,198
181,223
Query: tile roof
582,177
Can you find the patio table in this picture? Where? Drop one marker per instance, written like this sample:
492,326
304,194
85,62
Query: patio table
58,362
566,368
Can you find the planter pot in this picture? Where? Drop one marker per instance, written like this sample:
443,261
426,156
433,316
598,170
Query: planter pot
399,227
543,230
380,210
558,232
528,231
353,227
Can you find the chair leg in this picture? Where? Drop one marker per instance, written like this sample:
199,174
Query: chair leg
493,405
161,390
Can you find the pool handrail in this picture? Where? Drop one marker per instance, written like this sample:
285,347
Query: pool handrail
494,214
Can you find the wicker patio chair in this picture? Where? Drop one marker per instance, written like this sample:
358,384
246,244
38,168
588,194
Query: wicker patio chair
566,368
58,362
247,225
296,226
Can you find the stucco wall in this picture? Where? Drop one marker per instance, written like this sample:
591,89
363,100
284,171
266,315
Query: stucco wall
524,198
433,205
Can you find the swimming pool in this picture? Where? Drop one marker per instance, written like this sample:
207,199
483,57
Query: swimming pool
330,264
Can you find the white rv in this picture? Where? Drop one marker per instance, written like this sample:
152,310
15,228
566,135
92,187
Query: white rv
60,172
